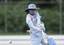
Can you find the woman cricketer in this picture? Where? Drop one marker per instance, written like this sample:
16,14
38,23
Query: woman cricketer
38,35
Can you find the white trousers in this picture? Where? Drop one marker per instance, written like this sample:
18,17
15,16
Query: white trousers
36,38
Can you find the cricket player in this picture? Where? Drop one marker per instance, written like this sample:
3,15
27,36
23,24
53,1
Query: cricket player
38,35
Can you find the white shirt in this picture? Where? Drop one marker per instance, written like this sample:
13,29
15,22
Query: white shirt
34,21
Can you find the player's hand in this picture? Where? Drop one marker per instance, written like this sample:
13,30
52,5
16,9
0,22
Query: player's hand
41,27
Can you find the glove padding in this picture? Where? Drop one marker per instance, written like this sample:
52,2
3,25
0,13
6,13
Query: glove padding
41,26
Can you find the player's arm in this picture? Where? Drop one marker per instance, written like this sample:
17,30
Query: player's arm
40,24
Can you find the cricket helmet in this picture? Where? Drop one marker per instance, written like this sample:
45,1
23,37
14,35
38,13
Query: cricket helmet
31,6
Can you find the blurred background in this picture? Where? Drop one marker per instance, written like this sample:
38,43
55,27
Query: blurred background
13,16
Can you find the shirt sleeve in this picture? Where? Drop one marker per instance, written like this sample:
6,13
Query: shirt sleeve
30,24
39,19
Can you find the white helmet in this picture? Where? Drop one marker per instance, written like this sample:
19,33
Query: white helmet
31,6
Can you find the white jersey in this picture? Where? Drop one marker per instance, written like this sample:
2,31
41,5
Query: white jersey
34,22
